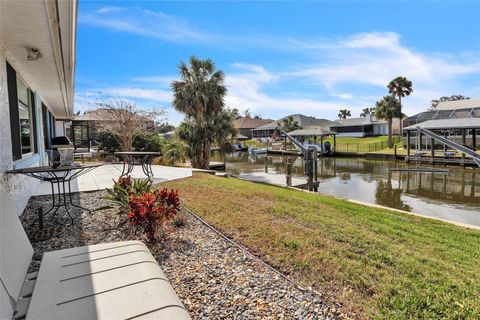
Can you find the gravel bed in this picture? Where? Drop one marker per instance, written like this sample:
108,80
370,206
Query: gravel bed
214,278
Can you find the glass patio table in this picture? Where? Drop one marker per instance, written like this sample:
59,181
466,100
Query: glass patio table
60,179
145,160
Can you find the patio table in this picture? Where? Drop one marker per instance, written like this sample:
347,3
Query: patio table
61,178
145,160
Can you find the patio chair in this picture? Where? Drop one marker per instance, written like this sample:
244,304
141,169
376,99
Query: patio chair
118,280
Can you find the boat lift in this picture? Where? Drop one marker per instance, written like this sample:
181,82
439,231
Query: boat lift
310,155
452,144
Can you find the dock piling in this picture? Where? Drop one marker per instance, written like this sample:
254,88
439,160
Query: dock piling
289,172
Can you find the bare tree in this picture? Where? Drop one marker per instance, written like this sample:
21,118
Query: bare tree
126,120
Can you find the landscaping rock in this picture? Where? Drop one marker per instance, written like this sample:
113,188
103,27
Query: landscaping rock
214,278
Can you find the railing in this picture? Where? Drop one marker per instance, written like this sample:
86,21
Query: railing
365,147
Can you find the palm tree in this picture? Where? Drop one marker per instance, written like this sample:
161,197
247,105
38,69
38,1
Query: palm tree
218,129
201,91
344,113
289,124
388,108
367,111
200,95
400,87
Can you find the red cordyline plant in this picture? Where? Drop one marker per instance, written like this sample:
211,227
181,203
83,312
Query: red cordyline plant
149,211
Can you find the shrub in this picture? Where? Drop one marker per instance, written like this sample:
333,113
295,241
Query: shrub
107,141
151,210
125,187
174,151
150,142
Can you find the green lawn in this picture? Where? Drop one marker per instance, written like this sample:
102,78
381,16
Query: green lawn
344,144
380,263
341,140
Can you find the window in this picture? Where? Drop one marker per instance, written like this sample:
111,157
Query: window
22,116
25,117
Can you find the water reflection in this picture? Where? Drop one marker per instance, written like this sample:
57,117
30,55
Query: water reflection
455,196
387,195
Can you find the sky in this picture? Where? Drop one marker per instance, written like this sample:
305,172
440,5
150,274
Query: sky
279,57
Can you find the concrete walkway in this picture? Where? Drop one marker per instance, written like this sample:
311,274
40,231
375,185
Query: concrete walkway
102,177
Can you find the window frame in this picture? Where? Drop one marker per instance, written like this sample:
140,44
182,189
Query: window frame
31,115
13,80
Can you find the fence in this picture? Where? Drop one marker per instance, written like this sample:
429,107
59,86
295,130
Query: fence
361,147
365,147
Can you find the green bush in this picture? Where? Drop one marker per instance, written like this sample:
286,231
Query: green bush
174,151
107,141
150,142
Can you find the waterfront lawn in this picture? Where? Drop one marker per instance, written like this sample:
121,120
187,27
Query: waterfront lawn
379,263
342,140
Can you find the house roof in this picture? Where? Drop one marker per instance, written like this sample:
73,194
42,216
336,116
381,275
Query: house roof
458,104
312,132
362,121
462,123
302,120
249,123
437,114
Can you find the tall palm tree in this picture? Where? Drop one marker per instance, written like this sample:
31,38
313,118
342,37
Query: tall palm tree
367,111
344,113
200,95
388,108
201,91
400,87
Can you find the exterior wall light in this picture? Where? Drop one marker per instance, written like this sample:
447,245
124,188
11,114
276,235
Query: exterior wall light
33,54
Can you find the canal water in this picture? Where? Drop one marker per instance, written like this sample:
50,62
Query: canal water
453,196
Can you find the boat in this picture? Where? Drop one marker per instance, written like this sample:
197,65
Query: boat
238,147
255,150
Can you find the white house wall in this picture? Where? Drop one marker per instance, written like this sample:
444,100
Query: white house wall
380,129
19,187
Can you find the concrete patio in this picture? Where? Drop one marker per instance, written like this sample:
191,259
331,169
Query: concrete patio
102,177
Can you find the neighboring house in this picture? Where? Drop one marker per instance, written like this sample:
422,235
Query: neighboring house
460,109
304,122
37,70
84,128
456,120
363,127
245,125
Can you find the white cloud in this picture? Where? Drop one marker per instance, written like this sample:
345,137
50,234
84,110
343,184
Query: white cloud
350,72
376,58
146,23
245,92
157,80
109,9
154,95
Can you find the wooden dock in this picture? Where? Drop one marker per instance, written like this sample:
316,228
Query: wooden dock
468,162
216,165
270,178
283,152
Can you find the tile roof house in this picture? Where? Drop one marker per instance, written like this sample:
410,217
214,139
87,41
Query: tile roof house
245,125
304,122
